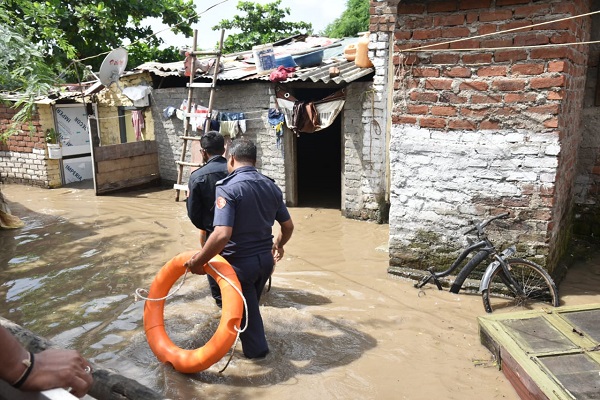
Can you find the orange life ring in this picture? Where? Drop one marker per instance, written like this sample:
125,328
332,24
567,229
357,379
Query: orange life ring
189,361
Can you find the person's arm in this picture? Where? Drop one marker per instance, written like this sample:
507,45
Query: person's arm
287,228
213,246
52,368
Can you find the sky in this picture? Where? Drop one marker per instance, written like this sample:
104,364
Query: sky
317,12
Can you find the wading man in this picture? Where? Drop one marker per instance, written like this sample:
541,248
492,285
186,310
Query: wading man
246,208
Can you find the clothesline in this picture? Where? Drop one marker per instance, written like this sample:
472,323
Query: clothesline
421,48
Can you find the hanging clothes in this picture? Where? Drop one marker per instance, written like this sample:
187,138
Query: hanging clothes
327,109
276,119
137,119
305,117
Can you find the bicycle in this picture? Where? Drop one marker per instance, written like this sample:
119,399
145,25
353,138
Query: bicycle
506,282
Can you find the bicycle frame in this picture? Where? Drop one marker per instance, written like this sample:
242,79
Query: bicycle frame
500,262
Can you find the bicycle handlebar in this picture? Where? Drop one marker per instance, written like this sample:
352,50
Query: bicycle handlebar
479,227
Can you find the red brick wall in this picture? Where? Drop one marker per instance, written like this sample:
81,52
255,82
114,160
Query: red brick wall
508,88
496,82
29,136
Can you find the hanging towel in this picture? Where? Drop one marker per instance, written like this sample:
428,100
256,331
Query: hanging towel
137,119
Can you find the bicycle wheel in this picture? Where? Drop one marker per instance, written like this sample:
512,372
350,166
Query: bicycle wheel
538,288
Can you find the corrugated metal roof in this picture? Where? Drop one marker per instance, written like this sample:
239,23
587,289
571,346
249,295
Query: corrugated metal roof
240,67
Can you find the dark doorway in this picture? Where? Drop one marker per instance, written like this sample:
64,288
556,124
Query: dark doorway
319,165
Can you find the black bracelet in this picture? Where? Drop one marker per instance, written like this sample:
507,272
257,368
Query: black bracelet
23,378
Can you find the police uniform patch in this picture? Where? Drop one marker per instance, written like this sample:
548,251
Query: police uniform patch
221,202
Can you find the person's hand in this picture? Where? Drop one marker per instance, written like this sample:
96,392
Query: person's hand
194,266
277,252
60,368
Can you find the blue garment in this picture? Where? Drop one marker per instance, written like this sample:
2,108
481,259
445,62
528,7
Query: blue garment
250,203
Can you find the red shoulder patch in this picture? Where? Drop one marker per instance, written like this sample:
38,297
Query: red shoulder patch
221,202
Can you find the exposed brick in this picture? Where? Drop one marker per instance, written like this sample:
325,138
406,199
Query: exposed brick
489,125
432,122
551,123
438,84
474,4
545,109
426,72
509,85
486,29
557,66
496,43
527,69
402,35
449,20
477,58
492,71
531,39
462,124
485,99
543,83
445,58
510,55
418,109
442,6
443,110
474,85
466,44
456,32
565,37
516,24
420,96
411,8
556,95
425,34
403,119
451,98
531,10
458,72
550,53
496,15
519,97
500,3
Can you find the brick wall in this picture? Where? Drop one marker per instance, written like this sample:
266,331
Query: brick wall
478,130
587,185
23,157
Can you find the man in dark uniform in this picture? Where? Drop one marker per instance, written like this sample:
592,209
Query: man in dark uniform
201,199
247,205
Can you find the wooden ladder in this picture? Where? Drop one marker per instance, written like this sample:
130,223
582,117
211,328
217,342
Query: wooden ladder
179,186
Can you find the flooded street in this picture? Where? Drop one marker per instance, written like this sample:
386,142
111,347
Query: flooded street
338,326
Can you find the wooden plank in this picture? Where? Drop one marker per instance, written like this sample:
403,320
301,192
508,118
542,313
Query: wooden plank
126,174
126,183
126,163
124,150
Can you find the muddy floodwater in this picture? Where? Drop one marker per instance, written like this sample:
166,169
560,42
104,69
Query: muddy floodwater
339,327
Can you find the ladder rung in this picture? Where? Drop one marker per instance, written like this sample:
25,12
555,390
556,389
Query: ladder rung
180,187
200,85
204,53
191,137
189,164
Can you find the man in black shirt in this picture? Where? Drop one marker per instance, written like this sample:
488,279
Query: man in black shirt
201,200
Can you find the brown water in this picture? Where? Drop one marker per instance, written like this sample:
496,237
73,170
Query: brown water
338,325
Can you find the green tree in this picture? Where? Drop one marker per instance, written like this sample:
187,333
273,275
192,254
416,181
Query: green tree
353,20
80,29
261,24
